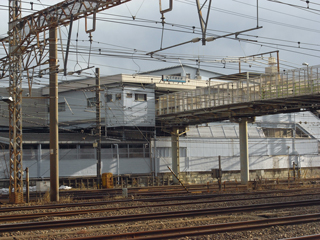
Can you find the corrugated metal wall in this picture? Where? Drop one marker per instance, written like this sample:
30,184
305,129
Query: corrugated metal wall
264,153
131,109
82,162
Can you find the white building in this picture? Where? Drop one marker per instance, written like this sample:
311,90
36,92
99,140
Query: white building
131,133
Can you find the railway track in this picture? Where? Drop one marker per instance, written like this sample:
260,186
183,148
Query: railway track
162,190
182,199
31,226
309,237
24,217
214,228
18,217
137,191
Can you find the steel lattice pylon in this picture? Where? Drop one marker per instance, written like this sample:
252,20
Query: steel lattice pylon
15,111
28,50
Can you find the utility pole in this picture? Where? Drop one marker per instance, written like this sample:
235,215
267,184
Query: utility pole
25,43
98,127
15,110
54,130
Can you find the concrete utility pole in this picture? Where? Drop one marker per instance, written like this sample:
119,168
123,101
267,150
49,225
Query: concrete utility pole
98,126
25,43
244,152
176,132
15,110
54,128
244,148
175,153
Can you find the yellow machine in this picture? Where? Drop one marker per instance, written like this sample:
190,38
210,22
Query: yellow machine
107,180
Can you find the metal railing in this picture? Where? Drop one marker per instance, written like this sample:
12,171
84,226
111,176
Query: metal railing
296,82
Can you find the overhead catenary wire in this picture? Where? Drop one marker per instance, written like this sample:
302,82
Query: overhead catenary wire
174,25
143,52
296,6
89,54
275,11
177,0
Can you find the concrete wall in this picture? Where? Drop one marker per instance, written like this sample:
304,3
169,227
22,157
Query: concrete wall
193,164
197,155
123,112
270,174
82,161
34,109
269,153
75,163
230,147
128,111
76,109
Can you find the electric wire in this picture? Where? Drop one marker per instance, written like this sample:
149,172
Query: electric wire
295,6
261,45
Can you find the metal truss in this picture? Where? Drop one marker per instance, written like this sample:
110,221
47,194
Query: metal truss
15,123
203,22
33,44
28,49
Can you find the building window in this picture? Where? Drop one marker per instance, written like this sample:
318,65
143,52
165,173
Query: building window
188,75
109,98
61,107
91,102
140,97
118,96
129,95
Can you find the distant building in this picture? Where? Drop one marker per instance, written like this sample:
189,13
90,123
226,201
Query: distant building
184,71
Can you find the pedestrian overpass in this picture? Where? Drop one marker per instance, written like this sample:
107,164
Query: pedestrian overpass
239,101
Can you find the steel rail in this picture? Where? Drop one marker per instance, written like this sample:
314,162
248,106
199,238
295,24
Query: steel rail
23,217
146,191
162,199
149,216
211,229
98,194
308,237
226,195
161,191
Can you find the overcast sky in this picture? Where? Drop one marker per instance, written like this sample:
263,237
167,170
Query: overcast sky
124,41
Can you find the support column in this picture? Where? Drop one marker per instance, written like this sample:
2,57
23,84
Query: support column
175,153
78,151
15,110
54,131
118,161
39,161
98,127
155,153
244,152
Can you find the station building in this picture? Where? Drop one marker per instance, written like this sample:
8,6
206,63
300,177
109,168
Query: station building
134,143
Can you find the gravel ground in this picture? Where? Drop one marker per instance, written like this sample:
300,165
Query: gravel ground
277,232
